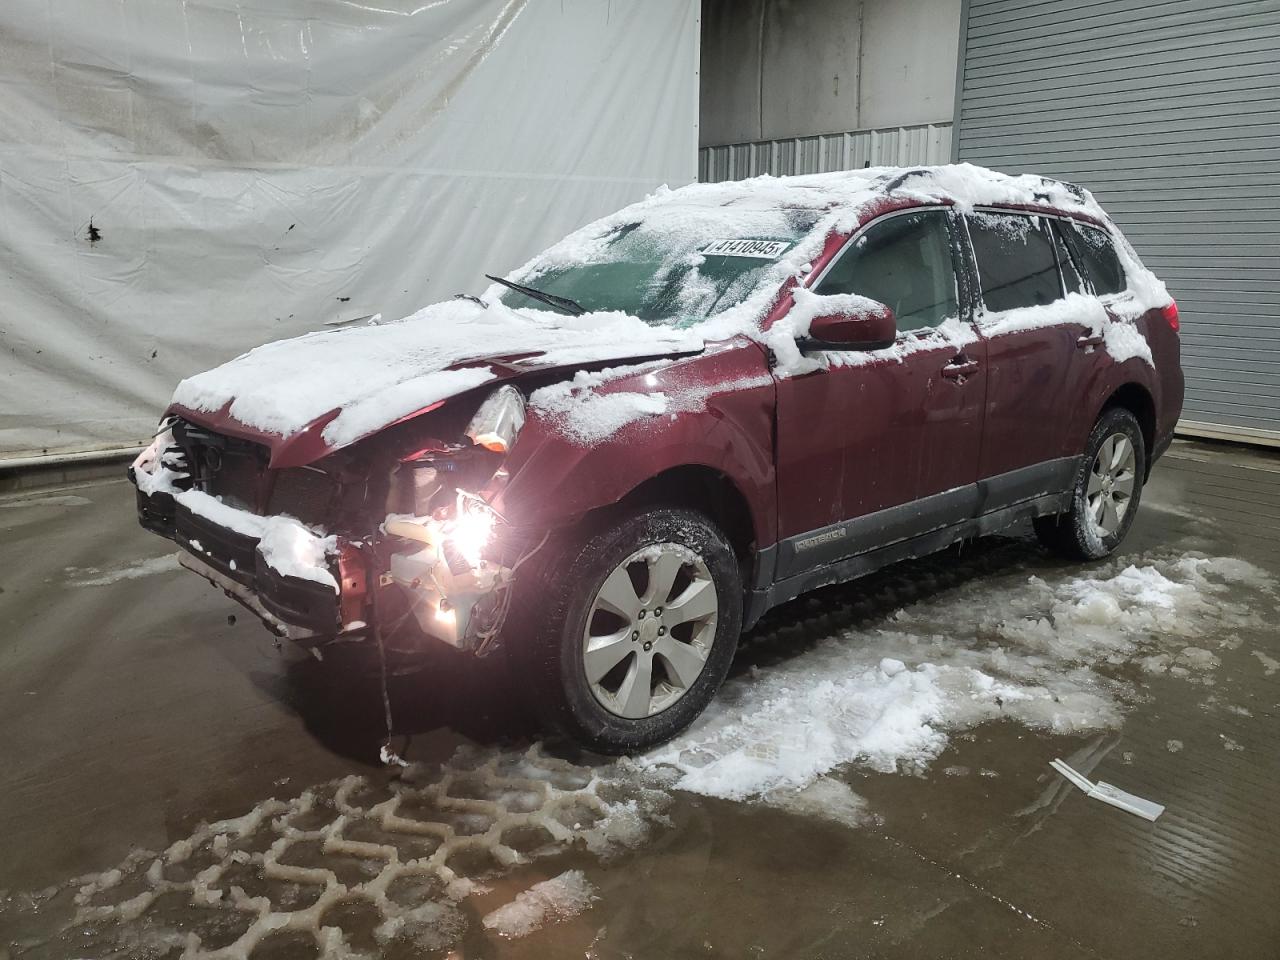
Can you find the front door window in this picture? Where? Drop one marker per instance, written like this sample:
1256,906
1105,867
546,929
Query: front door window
904,262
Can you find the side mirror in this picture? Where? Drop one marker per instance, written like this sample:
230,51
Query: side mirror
867,327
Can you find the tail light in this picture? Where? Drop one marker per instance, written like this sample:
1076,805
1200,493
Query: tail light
1170,314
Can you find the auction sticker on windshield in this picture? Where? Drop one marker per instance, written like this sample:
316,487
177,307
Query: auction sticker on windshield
760,249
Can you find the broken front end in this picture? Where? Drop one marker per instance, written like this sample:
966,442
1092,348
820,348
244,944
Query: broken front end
393,537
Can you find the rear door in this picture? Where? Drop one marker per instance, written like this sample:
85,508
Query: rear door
1039,343
883,444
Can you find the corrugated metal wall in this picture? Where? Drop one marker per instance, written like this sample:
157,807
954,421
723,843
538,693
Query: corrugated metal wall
895,146
1170,113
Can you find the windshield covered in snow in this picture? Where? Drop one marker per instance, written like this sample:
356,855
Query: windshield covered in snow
671,270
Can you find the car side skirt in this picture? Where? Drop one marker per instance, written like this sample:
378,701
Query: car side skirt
853,548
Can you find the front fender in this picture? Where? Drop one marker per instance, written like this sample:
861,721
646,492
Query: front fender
714,410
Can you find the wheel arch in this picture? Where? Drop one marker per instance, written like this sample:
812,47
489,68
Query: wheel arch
708,490
1137,399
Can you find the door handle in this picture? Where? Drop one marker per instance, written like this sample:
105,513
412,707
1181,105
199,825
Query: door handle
1089,340
959,368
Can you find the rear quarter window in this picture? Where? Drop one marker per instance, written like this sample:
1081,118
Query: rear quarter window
1098,259
1016,261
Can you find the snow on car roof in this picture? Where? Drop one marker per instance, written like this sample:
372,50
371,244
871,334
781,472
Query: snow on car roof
964,184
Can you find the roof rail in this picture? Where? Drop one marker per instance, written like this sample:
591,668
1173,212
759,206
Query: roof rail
1074,189
1049,182
903,177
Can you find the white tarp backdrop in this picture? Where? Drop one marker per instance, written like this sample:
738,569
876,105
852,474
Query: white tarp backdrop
180,182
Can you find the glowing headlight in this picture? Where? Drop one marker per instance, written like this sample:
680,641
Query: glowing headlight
471,533
498,421
468,533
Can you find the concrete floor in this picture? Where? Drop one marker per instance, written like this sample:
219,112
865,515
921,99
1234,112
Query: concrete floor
135,707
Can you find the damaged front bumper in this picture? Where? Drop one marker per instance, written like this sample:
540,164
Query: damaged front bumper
233,560
443,571
414,570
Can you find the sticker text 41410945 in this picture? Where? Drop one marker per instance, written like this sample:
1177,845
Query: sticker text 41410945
759,249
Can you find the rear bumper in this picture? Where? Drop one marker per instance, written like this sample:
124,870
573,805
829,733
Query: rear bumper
290,606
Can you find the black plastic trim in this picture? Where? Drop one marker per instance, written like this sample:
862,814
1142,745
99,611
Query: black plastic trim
853,567
294,600
1026,483
155,512
1161,447
216,546
819,548
299,602
852,548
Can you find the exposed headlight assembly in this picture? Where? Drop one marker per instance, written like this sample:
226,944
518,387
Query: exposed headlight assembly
148,461
162,465
498,421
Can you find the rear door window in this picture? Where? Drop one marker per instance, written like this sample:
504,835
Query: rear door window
904,261
1017,265
1098,259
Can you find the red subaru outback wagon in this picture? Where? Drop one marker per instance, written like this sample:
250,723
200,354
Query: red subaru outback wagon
617,458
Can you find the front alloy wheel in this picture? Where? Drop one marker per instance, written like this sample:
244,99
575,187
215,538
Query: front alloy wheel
650,630
637,621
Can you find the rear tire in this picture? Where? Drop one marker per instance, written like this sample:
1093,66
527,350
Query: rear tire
1105,494
635,629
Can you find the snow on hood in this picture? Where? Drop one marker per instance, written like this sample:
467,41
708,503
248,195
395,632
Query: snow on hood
374,375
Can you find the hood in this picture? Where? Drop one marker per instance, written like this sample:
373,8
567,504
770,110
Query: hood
317,393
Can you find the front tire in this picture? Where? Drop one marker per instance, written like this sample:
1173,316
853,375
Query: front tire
637,626
1106,492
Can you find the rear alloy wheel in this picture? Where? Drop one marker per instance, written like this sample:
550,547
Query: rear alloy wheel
1106,493
1109,490
638,623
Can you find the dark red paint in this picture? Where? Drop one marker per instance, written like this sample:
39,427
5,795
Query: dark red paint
878,430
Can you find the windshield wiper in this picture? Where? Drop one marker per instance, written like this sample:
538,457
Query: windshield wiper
571,307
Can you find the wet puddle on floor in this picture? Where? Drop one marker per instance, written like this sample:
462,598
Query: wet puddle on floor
504,841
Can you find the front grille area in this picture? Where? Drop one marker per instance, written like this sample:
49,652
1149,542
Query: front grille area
238,480
306,494
237,472
231,469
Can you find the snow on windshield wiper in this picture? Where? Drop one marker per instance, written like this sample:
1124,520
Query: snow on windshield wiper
571,307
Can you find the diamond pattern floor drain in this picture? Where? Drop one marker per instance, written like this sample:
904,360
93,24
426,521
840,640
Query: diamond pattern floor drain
349,869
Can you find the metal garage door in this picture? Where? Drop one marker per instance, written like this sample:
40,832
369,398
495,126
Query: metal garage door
1170,113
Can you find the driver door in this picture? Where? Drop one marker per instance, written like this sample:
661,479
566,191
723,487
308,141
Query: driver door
883,445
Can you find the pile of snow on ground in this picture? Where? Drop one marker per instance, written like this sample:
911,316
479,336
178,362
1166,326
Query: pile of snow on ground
134,570
1044,654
